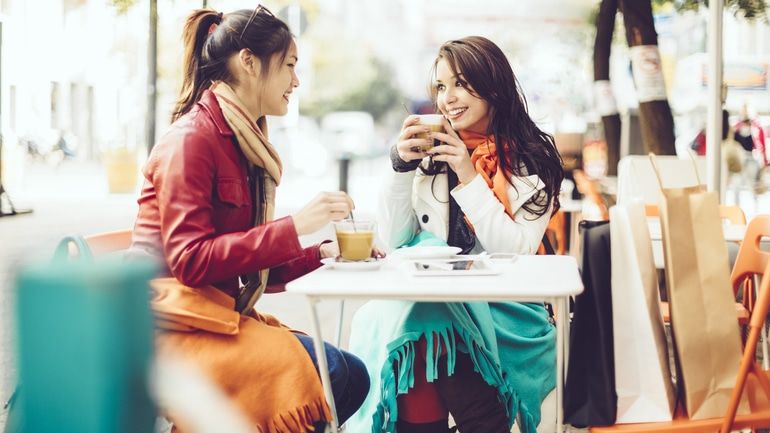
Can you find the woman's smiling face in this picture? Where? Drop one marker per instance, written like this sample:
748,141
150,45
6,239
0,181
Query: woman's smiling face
457,102
280,82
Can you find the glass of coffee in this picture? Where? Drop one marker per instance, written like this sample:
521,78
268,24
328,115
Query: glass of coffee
355,238
435,123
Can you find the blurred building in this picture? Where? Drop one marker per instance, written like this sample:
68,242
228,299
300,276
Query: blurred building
77,67
746,52
548,42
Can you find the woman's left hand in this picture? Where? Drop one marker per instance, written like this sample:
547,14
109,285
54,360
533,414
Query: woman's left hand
454,152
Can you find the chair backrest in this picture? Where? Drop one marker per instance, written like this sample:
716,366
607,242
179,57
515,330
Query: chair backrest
636,177
109,242
557,232
590,190
98,244
734,214
751,259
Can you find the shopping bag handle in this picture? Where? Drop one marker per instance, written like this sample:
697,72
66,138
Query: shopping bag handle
62,252
695,167
653,161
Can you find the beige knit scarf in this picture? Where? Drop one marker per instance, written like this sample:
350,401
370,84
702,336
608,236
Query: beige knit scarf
252,138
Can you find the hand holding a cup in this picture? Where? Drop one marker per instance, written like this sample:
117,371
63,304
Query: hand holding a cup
324,208
414,140
453,151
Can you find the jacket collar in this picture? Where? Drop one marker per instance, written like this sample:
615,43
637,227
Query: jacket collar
208,103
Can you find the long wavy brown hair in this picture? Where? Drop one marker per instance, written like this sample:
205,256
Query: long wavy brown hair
522,148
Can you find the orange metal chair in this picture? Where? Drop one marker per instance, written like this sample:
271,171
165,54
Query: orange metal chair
109,242
751,262
590,191
557,232
105,243
735,216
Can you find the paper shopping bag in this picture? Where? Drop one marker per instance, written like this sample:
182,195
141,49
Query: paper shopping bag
705,328
85,344
589,392
642,373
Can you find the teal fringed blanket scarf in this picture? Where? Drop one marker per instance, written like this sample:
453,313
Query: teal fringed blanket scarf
512,345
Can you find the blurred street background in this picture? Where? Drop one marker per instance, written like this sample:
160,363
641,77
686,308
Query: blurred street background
86,87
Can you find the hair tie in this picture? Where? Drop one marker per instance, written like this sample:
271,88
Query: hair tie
215,24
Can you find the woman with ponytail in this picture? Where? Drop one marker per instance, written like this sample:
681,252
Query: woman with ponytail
206,214
490,185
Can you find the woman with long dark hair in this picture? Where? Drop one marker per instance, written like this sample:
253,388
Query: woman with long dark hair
490,185
206,214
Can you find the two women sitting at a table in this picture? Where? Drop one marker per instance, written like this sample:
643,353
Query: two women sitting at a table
490,185
206,212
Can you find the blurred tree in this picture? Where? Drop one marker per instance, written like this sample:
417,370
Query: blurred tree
309,7
73,4
345,76
605,24
656,120
748,9
122,6
373,93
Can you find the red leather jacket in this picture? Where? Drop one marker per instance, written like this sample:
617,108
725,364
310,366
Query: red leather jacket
195,210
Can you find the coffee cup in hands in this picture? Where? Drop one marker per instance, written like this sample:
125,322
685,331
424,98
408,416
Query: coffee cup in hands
355,239
436,124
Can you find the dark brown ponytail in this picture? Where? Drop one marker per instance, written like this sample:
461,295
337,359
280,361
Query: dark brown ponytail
196,79
210,38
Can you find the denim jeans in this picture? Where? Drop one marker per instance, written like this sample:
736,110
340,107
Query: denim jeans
349,379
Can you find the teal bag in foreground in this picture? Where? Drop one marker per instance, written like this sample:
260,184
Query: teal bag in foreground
84,338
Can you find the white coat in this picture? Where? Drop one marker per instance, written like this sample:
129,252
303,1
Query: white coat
413,201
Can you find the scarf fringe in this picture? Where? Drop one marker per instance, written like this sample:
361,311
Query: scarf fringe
401,358
300,419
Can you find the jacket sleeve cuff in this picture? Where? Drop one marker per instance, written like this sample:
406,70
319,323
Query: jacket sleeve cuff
289,237
307,262
399,165
313,255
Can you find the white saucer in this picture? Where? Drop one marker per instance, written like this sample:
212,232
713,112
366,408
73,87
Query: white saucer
435,252
368,265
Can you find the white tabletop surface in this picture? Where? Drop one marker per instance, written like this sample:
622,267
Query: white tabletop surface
526,278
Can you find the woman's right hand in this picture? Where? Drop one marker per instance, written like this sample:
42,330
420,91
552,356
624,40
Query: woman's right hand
410,147
324,208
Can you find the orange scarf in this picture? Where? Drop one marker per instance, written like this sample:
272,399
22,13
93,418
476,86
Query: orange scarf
484,159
